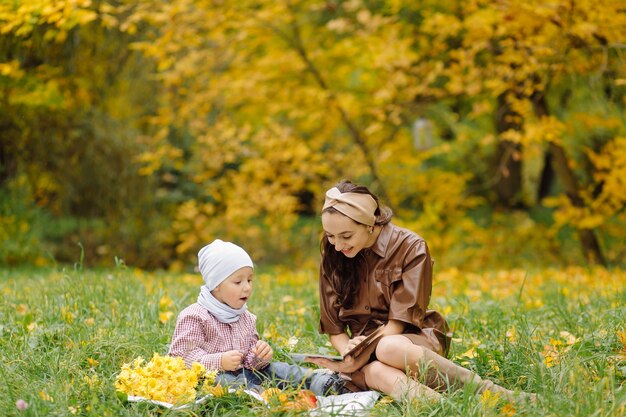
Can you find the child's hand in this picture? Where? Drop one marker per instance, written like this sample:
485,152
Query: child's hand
263,351
231,360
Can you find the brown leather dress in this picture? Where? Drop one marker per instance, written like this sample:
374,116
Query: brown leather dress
397,286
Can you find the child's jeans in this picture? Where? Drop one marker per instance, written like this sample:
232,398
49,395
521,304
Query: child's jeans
283,376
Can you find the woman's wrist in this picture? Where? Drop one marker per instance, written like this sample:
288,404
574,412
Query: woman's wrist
339,341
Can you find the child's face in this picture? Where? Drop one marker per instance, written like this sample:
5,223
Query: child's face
235,290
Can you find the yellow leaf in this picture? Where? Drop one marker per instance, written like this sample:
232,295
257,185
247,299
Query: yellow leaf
471,353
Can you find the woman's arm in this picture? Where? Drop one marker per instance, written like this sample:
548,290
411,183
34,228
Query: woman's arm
340,342
411,290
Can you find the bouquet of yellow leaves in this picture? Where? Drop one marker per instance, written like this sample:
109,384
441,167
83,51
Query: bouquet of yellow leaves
165,379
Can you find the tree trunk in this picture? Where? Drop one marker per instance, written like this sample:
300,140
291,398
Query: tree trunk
547,177
588,239
508,163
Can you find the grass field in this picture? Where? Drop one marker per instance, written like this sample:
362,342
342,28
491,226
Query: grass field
65,333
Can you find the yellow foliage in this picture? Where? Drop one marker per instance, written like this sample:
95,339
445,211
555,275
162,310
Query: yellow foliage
21,18
285,98
11,69
610,175
263,104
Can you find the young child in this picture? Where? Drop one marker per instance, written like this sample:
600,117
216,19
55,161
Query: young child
221,334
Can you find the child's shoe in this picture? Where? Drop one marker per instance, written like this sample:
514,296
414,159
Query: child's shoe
324,382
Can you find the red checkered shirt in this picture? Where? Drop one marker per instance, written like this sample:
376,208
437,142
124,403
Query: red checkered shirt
200,337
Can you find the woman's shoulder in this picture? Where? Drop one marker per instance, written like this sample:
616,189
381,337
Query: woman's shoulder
401,248
404,237
397,244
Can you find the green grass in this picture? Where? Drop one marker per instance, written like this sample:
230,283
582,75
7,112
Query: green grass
66,333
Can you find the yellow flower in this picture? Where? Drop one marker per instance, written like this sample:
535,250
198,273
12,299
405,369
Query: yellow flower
270,393
217,391
550,355
209,377
508,410
92,362
489,399
570,339
197,368
494,364
66,314
163,378
92,381
165,316
511,334
165,303
44,396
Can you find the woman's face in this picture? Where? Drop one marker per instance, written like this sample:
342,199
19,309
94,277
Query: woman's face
346,235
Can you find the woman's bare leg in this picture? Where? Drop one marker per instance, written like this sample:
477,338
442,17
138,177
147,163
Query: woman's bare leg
400,353
396,384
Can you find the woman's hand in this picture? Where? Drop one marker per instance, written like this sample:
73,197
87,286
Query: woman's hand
347,365
351,344
350,362
263,350
231,360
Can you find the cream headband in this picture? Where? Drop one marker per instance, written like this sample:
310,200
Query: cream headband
359,207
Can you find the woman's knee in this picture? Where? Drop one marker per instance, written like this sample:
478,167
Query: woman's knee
375,369
398,351
381,377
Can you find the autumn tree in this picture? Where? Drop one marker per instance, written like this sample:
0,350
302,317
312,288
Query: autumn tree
186,120
282,98
529,55
277,99
73,98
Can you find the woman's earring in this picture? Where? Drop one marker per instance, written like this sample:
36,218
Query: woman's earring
371,230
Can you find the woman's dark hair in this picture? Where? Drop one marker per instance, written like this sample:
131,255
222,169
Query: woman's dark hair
343,271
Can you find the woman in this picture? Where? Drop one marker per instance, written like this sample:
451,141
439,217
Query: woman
375,273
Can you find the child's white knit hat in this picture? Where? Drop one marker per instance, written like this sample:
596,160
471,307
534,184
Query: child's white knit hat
218,260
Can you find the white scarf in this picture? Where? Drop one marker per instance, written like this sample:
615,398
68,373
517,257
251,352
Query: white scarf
221,311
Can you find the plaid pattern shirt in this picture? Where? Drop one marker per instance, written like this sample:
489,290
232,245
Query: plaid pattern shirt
200,337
